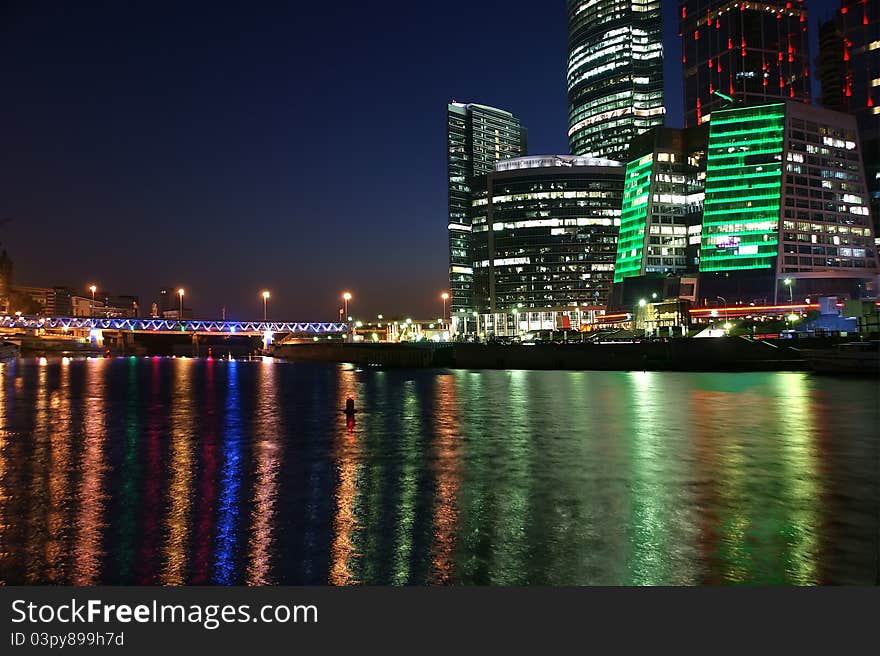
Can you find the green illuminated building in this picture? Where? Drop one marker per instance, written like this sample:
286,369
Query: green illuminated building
662,203
785,200
743,183
634,218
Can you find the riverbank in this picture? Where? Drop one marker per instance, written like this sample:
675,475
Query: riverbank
718,354
422,355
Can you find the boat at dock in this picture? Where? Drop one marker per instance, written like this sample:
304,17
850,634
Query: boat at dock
851,358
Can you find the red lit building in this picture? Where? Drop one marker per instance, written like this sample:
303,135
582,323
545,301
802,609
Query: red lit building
750,51
848,65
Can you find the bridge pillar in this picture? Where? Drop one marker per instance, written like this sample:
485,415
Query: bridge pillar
195,344
96,337
126,341
267,340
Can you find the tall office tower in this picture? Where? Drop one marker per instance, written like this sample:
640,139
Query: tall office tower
545,233
662,203
849,70
752,52
615,74
477,137
786,211
831,69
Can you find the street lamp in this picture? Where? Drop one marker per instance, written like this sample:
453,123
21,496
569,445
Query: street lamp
788,282
723,300
180,303
346,297
445,297
93,289
265,306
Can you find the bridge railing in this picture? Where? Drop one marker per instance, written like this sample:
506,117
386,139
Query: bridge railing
172,325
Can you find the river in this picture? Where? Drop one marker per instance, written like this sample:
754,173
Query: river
176,471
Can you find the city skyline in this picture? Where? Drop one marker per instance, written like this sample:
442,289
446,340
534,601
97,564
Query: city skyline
232,160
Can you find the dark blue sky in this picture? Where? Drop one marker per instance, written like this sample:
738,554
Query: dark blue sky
232,147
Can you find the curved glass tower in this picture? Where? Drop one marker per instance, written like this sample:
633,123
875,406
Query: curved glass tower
615,74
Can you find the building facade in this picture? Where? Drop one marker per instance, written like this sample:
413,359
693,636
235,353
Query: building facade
751,51
545,233
477,137
662,203
786,208
849,71
615,74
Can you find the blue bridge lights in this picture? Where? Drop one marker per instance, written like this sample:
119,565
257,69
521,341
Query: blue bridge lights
260,328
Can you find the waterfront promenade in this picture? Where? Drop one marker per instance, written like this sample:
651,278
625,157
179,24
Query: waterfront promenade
715,354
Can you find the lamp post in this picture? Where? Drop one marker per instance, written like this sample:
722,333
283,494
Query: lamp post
724,300
445,297
788,282
266,306
180,304
93,289
346,297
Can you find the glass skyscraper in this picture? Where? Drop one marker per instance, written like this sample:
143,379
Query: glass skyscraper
750,51
545,233
615,74
477,137
849,69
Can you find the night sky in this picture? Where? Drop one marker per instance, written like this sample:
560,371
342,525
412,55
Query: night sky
296,147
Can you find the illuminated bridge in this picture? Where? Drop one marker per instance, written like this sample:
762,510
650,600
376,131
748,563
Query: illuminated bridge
194,326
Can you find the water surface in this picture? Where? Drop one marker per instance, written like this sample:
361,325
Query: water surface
183,471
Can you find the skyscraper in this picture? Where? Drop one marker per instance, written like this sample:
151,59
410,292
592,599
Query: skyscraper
477,137
752,52
545,233
785,210
849,68
615,74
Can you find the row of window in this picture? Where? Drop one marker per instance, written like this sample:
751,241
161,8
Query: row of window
814,262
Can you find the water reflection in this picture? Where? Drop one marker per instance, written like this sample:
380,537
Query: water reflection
268,457
60,484
87,555
346,452
181,467
207,477
181,471
230,482
151,454
447,470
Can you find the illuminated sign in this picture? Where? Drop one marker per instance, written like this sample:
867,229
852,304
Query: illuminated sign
728,242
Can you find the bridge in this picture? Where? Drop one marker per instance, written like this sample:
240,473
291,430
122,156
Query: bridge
191,326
